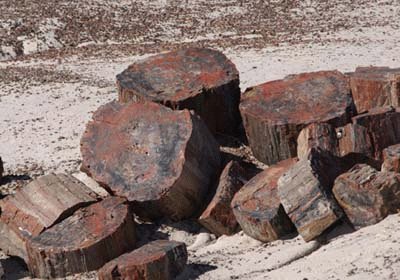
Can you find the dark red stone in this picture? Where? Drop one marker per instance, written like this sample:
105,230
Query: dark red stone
198,79
391,159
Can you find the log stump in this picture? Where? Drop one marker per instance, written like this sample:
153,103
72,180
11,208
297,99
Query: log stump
160,159
257,206
158,260
375,87
391,159
367,195
83,242
38,206
198,79
275,112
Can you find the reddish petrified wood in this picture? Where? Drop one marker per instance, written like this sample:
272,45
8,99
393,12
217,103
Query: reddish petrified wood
160,159
37,206
199,79
391,159
83,242
275,112
375,87
158,260
257,207
304,191
367,195
218,217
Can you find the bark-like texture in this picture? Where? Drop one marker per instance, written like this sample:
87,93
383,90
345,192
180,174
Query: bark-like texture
391,159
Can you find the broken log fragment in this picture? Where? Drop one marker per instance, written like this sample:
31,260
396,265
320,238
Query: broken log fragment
198,79
38,206
83,242
391,159
274,113
158,260
257,206
366,195
162,160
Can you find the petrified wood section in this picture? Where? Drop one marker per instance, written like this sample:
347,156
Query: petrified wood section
391,159
257,207
354,139
375,87
275,112
163,160
218,217
202,80
83,242
304,191
383,126
158,260
37,206
366,195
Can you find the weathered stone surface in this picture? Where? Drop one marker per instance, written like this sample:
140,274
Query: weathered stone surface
257,207
354,139
158,260
275,112
383,126
38,206
83,242
305,193
367,195
391,159
198,79
375,87
160,159
218,216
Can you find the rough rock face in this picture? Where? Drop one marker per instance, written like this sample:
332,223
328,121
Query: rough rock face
160,159
305,193
367,195
158,260
354,139
275,112
391,159
257,207
202,80
218,217
375,87
83,242
38,206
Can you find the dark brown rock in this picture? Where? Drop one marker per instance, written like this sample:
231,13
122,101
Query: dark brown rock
198,79
375,87
367,195
160,159
274,113
1,168
158,260
83,242
305,193
354,139
38,206
257,207
391,159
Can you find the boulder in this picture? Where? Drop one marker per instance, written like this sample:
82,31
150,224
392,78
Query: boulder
375,87
83,242
274,113
38,206
367,195
161,160
257,206
158,260
198,79
391,159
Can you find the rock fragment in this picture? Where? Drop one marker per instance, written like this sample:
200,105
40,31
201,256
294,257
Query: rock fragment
391,159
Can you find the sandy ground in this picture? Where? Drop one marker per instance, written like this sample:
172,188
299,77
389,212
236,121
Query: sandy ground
47,98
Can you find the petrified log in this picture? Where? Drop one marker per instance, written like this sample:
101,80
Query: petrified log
38,206
198,79
375,87
391,159
83,242
218,217
367,195
158,260
305,193
275,112
257,207
160,159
